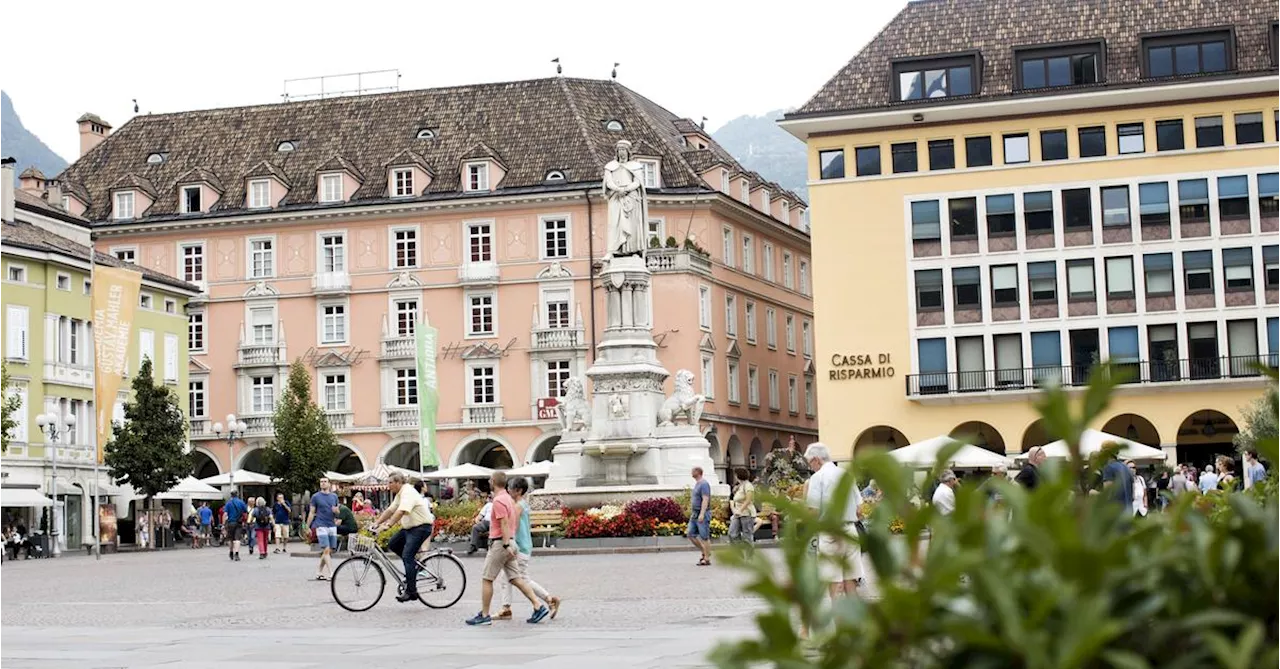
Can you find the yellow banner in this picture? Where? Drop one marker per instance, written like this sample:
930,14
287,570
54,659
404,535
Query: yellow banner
115,296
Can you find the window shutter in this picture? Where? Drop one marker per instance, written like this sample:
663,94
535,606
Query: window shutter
170,357
17,335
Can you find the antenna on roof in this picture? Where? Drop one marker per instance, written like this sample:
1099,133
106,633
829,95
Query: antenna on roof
135,105
703,125
614,75
335,85
559,69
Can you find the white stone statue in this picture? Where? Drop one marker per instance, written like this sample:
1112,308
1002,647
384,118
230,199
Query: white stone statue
574,411
628,211
682,401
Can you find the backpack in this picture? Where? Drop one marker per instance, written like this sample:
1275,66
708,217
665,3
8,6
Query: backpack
262,517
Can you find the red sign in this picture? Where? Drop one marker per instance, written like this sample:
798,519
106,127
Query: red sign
547,408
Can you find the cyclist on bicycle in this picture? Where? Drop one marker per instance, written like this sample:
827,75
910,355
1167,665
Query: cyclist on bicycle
416,522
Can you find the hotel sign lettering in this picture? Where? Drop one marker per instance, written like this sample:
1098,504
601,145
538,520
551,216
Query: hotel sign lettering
860,366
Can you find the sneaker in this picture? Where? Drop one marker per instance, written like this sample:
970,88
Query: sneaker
237,558
480,620
504,614
539,615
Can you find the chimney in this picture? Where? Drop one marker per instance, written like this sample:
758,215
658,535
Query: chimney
6,189
54,193
92,131
32,181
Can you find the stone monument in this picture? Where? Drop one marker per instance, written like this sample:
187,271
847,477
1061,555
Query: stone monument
628,439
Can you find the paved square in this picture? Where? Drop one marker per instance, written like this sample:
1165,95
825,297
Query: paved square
194,609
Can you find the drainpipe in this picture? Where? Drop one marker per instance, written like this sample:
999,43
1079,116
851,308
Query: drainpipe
591,274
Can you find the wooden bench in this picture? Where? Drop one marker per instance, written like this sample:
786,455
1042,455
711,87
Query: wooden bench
546,523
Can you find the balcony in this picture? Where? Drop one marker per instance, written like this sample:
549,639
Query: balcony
1142,373
69,375
261,355
201,428
68,454
338,420
478,273
258,426
405,417
398,347
676,260
559,339
482,414
328,283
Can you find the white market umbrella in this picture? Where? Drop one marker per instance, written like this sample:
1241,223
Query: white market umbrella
241,476
381,473
924,454
533,469
28,498
467,471
1092,441
335,477
191,488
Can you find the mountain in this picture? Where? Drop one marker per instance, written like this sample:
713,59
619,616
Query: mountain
18,142
760,145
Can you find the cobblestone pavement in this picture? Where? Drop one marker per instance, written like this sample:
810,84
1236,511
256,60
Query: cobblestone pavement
192,609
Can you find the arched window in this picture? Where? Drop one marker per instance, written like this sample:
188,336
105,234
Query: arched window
426,133
285,146
555,175
613,126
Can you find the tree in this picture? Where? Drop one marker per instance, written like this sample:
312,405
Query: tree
8,409
304,447
1259,420
148,450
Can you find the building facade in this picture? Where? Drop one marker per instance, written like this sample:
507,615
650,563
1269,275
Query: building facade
48,347
1037,187
324,231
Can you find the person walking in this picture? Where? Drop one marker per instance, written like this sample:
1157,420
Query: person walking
262,523
1208,480
409,510
700,516
1029,476
944,496
1139,489
501,557
742,524
322,518
841,559
234,511
1177,482
280,512
1254,472
480,525
1117,480
1226,473
518,488
206,524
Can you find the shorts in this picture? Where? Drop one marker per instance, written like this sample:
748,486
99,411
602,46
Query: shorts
327,537
700,529
499,561
282,531
206,529
838,548
232,530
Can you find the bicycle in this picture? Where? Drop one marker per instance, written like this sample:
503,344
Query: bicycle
361,578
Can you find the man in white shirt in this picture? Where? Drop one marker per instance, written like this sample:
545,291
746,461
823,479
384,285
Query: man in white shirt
842,567
1208,480
944,497
480,528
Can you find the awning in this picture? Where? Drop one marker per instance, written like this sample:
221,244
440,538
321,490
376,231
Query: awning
28,498
924,454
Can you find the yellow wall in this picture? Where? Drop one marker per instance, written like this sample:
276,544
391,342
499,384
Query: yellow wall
860,255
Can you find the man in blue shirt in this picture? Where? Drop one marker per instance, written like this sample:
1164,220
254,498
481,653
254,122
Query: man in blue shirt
206,524
1254,472
281,512
236,511
700,516
1117,483
322,518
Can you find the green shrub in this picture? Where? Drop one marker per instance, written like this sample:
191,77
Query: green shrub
457,509
672,243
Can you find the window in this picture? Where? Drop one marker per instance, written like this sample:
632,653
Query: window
748,255
127,254
477,176
406,317
480,242
1122,346
88,287
557,308
1202,349
790,330
1153,204
1093,141
977,151
787,280
1268,190
1194,53
771,327
904,157
1008,354
734,381
804,278
334,324
942,154
1001,220
16,332
262,395
1080,279
707,377
1077,209
1042,277
1249,128
773,390
261,258
193,263
190,200
170,357
1237,269
406,248
613,126
785,213
704,307
335,392
333,253
963,213
651,173
731,315
1271,265
1115,206
1242,346
971,364
195,399
124,204
656,230
966,284
1046,351
751,321
195,331
285,147
406,386
1162,351
1119,277
331,188
928,290
557,377
63,282
1053,145
259,194
1233,198
1068,66
1197,268
925,221
1037,211
726,247
831,164
1193,200
170,305
484,384
1004,285
402,182
745,192
1158,271
793,402
1208,131
481,312
932,356
555,238
806,337
868,158
1017,149
17,273
810,405
935,79
145,300
1131,137
263,322
767,261
753,386
1169,135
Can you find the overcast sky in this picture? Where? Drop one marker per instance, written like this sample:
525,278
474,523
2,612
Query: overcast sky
719,60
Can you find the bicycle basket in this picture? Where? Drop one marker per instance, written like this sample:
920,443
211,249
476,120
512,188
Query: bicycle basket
361,543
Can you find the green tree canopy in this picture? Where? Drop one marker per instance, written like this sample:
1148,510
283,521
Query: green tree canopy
9,407
1259,420
148,450
304,447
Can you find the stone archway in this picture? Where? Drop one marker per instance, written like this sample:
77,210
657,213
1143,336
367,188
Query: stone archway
404,455
1204,435
544,449
203,465
716,454
1134,428
883,436
1035,435
348,461
755,455
980,434
486,453
735,455
777,445
252,460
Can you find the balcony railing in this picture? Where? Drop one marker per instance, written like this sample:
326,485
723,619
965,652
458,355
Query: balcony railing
676,260
201,427
1139,372
478,272
261,354
482,414
338,420
555,339
399,347
331,282
258,425
400,417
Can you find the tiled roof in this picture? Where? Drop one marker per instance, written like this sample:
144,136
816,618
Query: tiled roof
409,157
131,180
531,126
198,174
996,27
31,172
339,163
28,236
36,203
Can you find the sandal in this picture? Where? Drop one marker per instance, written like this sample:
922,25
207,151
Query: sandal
320,577
704,562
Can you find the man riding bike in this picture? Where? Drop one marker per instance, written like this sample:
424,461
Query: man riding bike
416,522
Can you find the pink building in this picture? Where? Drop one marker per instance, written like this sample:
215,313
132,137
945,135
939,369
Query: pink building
322,230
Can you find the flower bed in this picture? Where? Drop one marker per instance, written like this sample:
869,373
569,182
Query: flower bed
659,517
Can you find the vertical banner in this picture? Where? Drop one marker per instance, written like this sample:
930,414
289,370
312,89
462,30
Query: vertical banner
115,296
428,399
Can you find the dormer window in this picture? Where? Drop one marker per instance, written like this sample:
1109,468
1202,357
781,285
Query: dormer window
260,194
330,187
285,146
651,173
555,176
155,159
477,177
764,200
426,133
724,181
613,126
745,194
1069,65
786,211
402,182
922,79
123,205
191,203
1187,53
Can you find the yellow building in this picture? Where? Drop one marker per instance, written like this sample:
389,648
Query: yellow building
1005,192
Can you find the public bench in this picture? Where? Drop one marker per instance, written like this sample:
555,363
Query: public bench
546,523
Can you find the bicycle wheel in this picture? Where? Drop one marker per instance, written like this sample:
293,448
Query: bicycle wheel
357,584
441,580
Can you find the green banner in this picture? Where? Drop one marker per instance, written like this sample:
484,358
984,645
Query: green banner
428,399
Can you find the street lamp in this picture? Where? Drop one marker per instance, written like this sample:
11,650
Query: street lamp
235,430
55,425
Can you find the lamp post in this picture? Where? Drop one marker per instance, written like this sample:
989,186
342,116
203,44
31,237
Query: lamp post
235,430
55,425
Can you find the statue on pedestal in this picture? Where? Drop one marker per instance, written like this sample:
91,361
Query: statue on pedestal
628,212
575,412
682,402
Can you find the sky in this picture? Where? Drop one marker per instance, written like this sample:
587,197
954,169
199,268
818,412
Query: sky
719,60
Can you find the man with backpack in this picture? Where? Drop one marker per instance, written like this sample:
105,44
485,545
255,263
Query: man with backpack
262,521
235,511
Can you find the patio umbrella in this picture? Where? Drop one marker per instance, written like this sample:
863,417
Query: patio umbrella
467,471
924,454
191,488
241,476
533,469
1092,441
29,498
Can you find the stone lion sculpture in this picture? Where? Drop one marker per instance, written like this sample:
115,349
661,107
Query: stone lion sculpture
575,413
682,401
